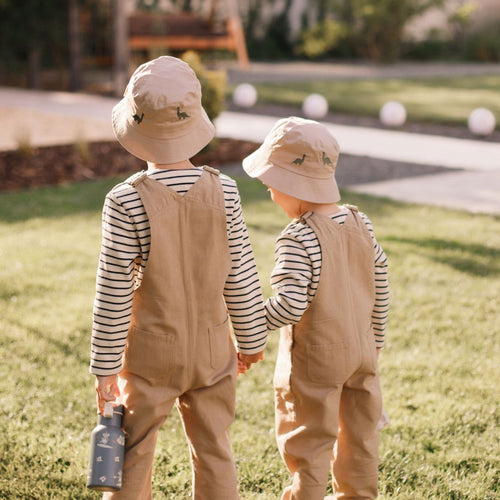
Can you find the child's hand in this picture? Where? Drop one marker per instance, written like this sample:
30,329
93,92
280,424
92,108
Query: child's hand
107,390
242,368
245,361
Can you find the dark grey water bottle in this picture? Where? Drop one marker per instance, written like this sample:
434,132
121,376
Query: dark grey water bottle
107,448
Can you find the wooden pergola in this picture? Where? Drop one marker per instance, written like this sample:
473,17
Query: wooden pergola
177,32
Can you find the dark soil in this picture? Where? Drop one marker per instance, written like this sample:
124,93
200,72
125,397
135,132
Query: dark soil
52,165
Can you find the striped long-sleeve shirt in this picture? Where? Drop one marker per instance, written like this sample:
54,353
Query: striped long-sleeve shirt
124,254
297,270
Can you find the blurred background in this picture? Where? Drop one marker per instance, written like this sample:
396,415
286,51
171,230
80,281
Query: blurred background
93,45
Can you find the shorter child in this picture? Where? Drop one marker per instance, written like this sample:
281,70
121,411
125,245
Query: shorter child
330,300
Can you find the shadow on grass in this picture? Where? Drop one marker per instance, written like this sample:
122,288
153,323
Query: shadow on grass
470,258
67,347
81,197
70,199
53,202
253,191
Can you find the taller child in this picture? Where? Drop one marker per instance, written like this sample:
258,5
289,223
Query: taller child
175,258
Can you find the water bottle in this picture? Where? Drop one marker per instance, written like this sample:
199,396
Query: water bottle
107,448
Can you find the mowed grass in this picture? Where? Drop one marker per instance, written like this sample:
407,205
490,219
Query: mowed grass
437,100
440,370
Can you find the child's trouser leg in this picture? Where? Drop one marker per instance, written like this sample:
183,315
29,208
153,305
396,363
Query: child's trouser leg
356,457
147,408
207,413
306,435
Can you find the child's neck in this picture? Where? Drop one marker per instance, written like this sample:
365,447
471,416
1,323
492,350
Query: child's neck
180,165
319,208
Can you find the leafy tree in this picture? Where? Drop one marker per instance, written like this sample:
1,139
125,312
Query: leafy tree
213,84
376,26
33,31
357,28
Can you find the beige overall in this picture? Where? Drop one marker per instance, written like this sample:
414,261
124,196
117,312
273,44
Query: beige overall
328,398
179,349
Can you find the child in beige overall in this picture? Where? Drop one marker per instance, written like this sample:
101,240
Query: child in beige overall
330,300
175,259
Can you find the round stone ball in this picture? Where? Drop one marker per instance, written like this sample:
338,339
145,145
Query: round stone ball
315,106
481,122
245,95
392,114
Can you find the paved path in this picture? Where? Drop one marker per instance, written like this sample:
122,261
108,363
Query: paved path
45,118
379,143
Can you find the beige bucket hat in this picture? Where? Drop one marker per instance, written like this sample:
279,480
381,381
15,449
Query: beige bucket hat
298,157
160,118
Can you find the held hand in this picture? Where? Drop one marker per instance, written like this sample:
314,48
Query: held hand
107,390
242,368
245,361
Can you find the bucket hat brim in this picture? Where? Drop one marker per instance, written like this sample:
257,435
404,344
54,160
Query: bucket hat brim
271,167
160,150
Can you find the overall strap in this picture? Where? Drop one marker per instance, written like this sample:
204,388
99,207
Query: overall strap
211,170
352,208
137,178
303,217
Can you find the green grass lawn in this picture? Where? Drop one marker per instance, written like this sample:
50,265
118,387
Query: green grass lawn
440,369
438,100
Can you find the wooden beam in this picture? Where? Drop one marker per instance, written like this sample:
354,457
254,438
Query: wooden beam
181,42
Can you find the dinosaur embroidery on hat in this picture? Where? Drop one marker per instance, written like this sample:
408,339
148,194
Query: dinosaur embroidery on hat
138,118
299,161
326,160
181,114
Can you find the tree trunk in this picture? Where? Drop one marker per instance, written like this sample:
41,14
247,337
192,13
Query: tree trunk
120,47
34,68
75,46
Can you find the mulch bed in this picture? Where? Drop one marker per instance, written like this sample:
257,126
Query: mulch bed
52,165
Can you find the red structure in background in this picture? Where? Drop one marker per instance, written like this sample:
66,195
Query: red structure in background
178,32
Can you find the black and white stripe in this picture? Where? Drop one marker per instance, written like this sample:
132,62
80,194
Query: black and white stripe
126,238
297,270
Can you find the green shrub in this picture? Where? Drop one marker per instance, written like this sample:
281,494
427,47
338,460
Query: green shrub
483,44
425,50
321,39
213,84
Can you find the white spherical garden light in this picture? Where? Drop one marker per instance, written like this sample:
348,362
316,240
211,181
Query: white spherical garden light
315,106
392,114
245,95
481,122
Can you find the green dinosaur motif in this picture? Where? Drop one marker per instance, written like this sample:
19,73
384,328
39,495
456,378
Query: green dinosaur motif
180,114
326,160
138,118
299,161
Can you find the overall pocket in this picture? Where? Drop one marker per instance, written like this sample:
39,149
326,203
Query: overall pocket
150,355
327,363
219,343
